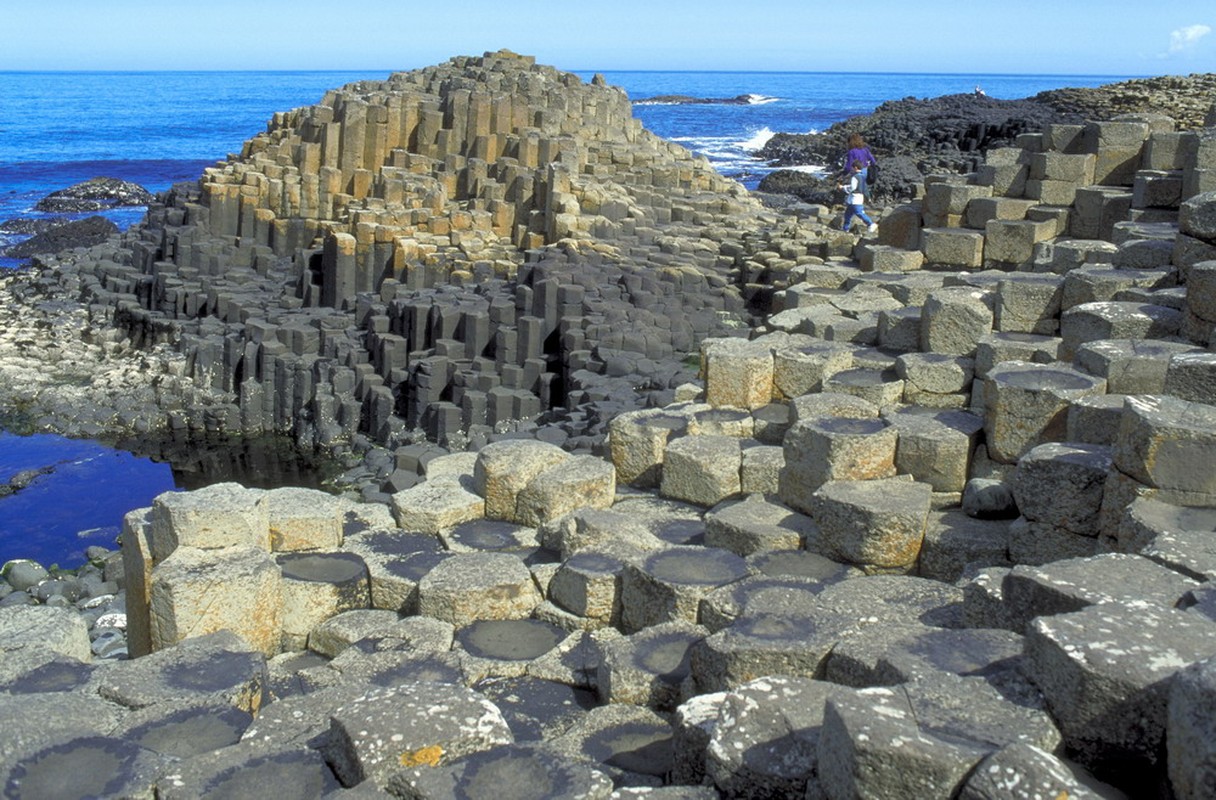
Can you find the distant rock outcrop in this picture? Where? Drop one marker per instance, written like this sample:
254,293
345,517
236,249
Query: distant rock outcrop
95,194
683,100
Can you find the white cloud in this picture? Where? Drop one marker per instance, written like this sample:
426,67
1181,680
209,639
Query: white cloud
1185,38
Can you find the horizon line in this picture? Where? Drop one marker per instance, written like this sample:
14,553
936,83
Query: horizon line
4,71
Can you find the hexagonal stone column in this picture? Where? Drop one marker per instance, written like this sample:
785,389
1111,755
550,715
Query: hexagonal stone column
503,648
754,524
472,586
1027,404
648,668
1090,322
504,468
935,447
186,585
834,448
1192,376
638,440
1105,672
436,505
505,771
878,525
317,586
882,387
396,560
303,519
377,734
953,319
1130,366
577,482
668,585
702,469
1191,730
221,515
1167,443
801,370
738,372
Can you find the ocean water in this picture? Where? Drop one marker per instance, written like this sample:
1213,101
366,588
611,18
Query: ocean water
159,128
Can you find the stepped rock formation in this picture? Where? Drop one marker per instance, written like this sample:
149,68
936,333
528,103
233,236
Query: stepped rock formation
450,249
939,525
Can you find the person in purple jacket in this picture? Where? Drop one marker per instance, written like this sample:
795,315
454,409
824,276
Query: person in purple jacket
859,152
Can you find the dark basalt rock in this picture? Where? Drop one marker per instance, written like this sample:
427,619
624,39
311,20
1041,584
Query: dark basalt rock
95,194
65,236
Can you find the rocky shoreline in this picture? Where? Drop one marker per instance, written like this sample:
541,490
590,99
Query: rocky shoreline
725,502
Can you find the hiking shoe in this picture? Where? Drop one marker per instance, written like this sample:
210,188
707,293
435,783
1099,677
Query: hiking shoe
873,227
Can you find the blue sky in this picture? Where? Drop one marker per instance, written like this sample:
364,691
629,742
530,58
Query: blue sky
1072,37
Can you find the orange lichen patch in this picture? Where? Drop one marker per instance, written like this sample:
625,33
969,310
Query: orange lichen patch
427,755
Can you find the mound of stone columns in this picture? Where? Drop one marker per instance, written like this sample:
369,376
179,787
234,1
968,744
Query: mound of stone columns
928,530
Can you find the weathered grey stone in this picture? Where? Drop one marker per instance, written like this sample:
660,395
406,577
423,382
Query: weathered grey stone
1061,485
1189,731
754,524
1183,539
340,631
648,667
668,585
437,504
631,743
1026,405
736,422
246,768
871,746
1022,771
504,772
876,524
88,766
954,319
375,735
760,644
473,586
638,441
765,743
760,472
25,630
879,599
1130,366
738,372
577,482
303,519
503,648
786,595
694,722
800,370
1105,672
956,541
315,587
935,446
504,468
218,668
220,515
1168,443
702,469
834,448
184,590
1094,419
1039,543
536,708
592,527
830,404
396,560
1074,584
1192,376
1001,346
1090,322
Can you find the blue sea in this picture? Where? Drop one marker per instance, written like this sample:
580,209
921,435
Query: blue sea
159,128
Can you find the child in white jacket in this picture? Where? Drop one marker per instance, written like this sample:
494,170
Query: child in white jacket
855,199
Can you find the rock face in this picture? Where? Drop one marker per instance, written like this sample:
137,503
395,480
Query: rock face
779,553
95,194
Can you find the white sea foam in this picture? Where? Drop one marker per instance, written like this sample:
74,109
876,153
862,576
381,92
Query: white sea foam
760,99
